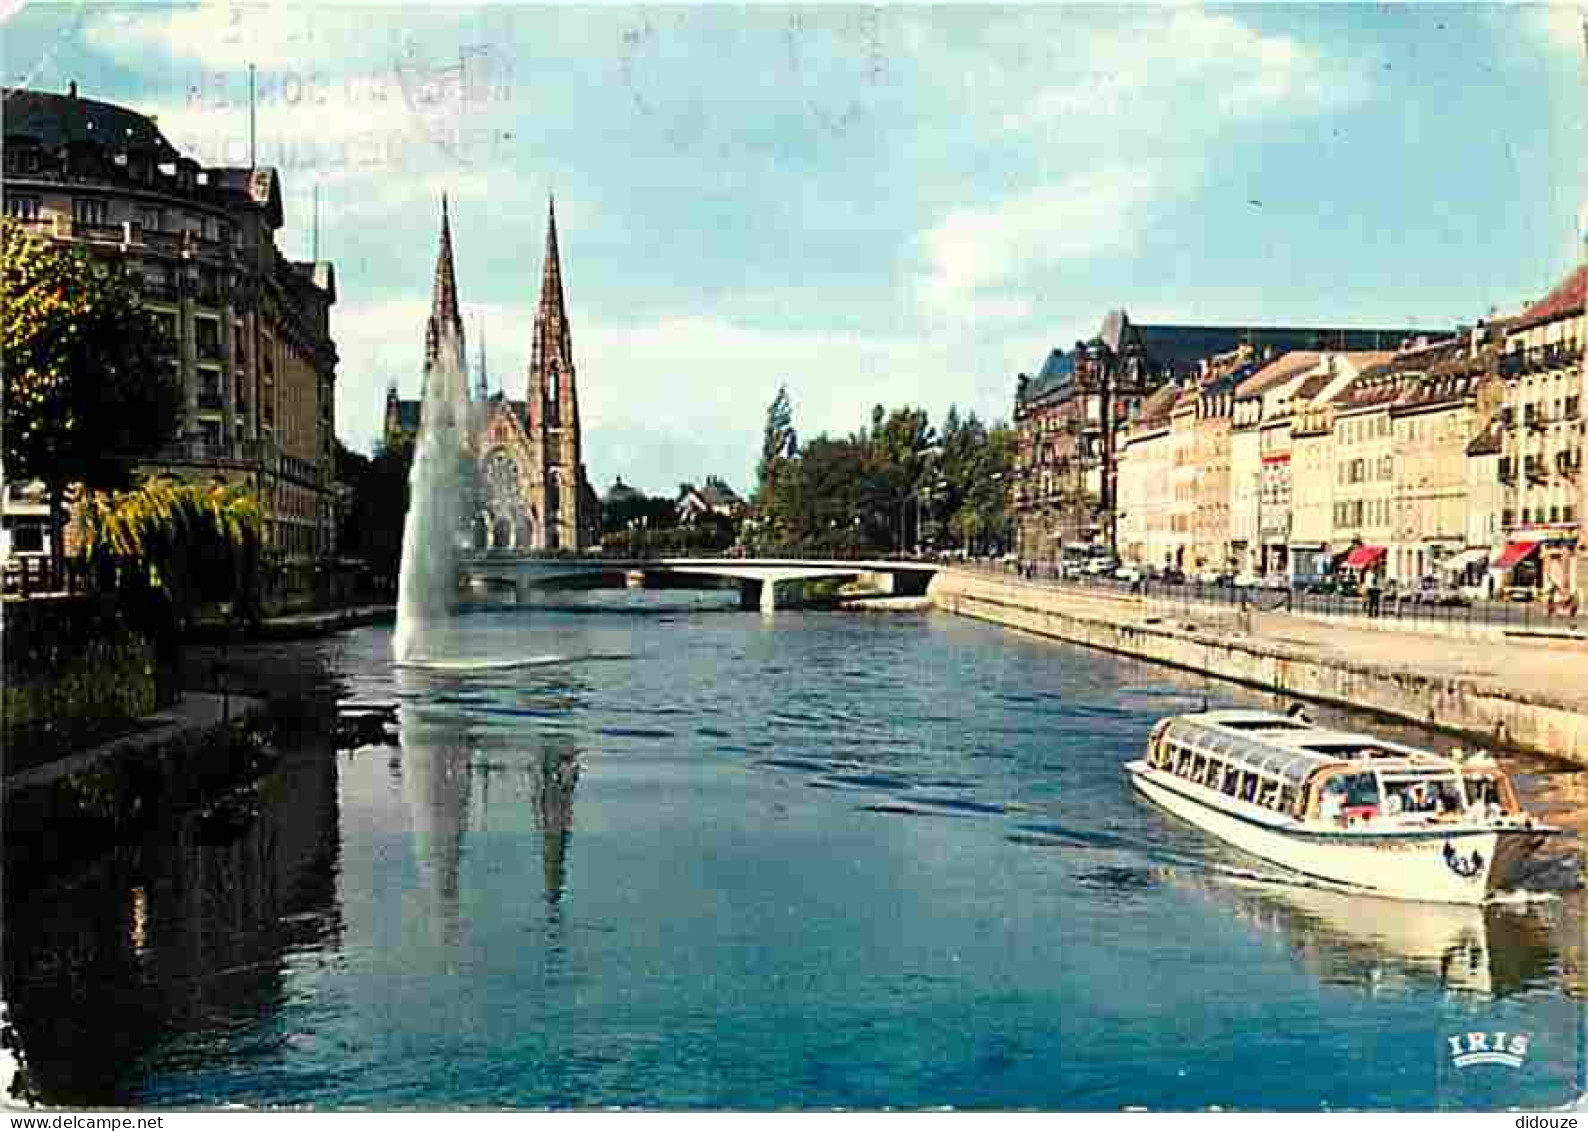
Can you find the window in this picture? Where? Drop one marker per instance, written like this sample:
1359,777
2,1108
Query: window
89,211
150,219
22,207
208,335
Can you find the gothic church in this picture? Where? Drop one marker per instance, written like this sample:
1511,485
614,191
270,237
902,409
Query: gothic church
530,491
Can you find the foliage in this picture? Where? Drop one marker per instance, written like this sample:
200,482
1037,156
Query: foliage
891,487
88,381
779,442
372,527
641,524
189,542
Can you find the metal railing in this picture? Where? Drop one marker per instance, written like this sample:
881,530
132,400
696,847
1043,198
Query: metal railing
1409,611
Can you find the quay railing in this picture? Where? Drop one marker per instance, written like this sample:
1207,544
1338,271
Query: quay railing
1536,617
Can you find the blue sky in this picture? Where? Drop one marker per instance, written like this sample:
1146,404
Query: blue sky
873,205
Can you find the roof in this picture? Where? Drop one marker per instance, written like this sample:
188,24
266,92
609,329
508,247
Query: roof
1156,408
1562,302
622,492
261,187
1058,370
1277,372
53,120
1486,442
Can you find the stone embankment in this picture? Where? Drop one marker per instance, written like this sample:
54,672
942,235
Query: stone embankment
1531,696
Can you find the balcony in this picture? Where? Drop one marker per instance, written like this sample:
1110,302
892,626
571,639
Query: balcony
208,350
209,400
1534,469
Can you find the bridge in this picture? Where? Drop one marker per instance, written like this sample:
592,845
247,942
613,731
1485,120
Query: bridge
764,583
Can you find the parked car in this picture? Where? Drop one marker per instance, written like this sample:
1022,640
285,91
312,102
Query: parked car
1101,567
1276,581
1246,580
1173,575
1131,573
1320,585
1434,591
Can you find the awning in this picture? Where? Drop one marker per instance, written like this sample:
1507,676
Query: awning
1364,557
1458,563
1514,553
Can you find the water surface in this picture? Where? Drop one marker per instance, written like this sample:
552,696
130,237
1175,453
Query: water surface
694,858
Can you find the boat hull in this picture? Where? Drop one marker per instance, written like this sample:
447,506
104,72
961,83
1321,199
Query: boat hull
1466,865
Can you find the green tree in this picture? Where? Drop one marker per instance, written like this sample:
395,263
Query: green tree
191,542
778,439
89,386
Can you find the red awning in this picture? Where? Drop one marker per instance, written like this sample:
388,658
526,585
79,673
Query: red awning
1363,557
1514,553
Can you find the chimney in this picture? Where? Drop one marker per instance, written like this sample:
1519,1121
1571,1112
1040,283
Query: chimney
71,89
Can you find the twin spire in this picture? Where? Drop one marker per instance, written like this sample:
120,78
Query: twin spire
552,339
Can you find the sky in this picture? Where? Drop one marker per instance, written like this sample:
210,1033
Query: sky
872,205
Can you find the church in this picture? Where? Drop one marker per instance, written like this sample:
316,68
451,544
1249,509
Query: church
530,492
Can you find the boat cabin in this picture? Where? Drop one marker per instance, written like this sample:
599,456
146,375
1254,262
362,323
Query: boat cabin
1309,773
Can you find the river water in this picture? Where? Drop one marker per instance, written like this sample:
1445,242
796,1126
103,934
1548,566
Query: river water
696,858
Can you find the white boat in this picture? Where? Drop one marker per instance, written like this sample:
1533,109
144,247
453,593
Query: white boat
1346,809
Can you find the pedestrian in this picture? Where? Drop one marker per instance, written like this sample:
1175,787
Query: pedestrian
1374,594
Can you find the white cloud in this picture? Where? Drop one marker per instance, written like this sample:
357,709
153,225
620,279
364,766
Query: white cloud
639,422
971,251
228,35
1183,58
1564,26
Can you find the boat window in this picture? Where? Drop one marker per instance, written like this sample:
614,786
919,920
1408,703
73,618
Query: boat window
1361,790
1248,787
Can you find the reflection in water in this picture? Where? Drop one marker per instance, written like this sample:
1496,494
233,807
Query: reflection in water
441,756
557,775
1384,944
186,933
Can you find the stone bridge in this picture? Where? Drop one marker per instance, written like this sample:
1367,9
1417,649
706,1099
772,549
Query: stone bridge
764,583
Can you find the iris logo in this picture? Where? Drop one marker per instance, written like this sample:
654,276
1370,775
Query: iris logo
1509,1049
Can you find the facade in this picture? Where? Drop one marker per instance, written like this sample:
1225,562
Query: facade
1256,403
1541,457
532,493
1183,475
1215,400
714,498
252,331
1146,459
1068,416
1312,471
1433,424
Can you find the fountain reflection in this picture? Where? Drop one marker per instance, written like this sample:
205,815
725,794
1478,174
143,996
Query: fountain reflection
449,755
186,934
1387,946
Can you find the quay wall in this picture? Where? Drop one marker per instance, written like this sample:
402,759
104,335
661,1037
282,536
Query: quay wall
1231,645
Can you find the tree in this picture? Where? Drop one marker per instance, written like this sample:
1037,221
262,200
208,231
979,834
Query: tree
192,542
778,440
89,385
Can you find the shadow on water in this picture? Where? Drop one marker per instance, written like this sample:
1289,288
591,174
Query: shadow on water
188,930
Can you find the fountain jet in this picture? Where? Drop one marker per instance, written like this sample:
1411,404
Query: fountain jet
427,583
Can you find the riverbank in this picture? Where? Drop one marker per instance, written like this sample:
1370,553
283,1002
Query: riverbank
1531,696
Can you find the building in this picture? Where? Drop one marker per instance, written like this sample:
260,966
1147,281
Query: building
1256,400
1433,426
254,351
715,498
532,492
1146,460
1540,463
1067,417
1211,547
1311,550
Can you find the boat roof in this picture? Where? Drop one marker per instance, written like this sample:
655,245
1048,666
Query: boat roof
1289,748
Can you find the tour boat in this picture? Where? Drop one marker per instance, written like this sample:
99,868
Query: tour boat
1346,809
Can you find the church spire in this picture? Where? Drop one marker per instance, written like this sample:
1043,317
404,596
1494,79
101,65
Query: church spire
552,340
444,312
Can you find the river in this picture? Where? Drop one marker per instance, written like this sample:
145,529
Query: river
692,857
